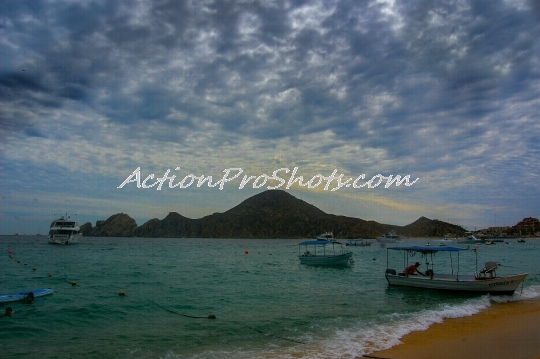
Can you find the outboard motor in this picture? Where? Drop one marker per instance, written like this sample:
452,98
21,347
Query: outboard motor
390,271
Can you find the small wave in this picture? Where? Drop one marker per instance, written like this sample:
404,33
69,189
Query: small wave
530,292
368,338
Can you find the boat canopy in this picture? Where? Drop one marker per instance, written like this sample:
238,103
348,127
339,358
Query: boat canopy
426,249
319,242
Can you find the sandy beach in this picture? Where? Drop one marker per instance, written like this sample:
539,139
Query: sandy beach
507,330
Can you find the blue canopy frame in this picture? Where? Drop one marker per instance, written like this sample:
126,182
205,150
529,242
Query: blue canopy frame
430,250
426,249
321,243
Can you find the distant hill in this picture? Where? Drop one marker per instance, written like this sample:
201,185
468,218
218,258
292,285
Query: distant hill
117,225
270,214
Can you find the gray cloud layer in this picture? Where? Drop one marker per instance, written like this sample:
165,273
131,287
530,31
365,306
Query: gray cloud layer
447,90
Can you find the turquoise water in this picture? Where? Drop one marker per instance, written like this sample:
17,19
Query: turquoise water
266,304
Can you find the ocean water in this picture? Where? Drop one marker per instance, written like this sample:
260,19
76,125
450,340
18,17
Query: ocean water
266,304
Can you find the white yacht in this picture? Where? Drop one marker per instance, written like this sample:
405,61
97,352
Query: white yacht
64,231
391,237
327,236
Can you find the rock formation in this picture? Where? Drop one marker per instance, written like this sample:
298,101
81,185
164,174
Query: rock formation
270,214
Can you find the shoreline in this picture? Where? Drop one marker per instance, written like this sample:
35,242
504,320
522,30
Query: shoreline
504,330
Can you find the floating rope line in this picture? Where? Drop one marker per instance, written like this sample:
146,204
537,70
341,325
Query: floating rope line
184,315
272,335
212,316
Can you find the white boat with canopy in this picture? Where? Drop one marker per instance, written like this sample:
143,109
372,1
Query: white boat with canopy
323,252
484,280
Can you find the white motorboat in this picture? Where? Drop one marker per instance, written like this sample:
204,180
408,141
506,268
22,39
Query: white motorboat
64,231
469,239
390,237
445,242
324,252
328,236
360,242
484,280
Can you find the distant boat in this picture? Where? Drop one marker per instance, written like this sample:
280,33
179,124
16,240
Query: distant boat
390,237
469,239
64,231
521,240
484,280
360,242
328,236
324,252
445,241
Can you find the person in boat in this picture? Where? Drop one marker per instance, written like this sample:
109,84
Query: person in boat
413,269
29,298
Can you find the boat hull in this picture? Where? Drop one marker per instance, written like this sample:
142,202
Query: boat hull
326,260
17,296
64,239
462,283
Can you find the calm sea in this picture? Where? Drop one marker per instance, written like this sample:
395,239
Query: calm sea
266,304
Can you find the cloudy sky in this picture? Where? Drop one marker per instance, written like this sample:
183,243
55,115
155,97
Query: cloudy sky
446,92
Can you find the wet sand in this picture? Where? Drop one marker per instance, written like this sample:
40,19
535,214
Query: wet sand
508,330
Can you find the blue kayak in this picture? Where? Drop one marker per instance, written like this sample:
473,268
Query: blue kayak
16,296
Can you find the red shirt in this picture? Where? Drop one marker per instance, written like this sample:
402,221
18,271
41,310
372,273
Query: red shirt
411,269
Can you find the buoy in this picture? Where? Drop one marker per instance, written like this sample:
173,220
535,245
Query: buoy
246,252
121,293
50,274
74,283
34,268
10,251
18,261
211,316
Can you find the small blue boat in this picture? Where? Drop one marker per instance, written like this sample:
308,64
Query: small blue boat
17,296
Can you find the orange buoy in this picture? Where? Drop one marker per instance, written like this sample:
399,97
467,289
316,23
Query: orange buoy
121,293
50,274
74,283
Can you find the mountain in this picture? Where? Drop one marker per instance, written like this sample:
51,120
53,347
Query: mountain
270,214
86,229
431,227
118,225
